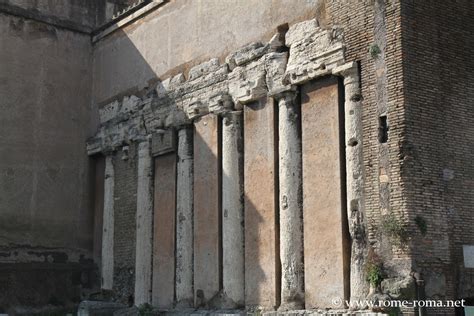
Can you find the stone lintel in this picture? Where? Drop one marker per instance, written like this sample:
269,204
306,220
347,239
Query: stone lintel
221,103
196,109
349,69
255,71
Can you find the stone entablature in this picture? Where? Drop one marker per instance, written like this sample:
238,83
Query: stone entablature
255,71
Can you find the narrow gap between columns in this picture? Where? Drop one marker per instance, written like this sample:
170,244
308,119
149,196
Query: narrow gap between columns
152,192
299,126
347,243
276,173
242,188
219,194
176,219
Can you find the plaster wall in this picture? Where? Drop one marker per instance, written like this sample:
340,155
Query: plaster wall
183,33
46,206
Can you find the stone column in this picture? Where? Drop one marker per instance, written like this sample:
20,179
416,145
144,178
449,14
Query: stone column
232,208
184,220
355,179
108,226
144,222
291,226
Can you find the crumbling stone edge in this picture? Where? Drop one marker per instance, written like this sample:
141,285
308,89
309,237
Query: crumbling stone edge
252,72
255,71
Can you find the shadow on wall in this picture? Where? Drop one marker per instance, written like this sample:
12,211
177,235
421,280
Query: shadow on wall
261,201
261,197
46,210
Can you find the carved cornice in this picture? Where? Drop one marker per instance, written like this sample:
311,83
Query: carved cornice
255,71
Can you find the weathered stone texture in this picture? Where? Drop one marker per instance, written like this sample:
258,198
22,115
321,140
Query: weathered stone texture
164,231
359,36
355,200
158,45
379,173
107,255
408,144
325,244
206,209
261,253
291,205
184,220
250,74
313,51
233,261
144,224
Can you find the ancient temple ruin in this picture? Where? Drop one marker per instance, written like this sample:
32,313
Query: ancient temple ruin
235,156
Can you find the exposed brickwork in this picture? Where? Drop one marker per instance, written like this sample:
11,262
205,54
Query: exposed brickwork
416,71
357,20
125,227
421,169
437,39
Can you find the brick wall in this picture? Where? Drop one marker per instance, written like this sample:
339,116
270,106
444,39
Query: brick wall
420,80
125,224
366,24
438,169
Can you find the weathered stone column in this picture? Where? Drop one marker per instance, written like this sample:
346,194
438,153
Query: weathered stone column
291,226
144,222
233,208
108,226
355,179
184,220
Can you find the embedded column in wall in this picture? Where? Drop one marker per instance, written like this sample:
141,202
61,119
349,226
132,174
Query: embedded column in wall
144,222
354,178
108,226
232,208
291,227
184,220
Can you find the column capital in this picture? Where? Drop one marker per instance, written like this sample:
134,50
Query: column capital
286,98
350,72
232,115
145,138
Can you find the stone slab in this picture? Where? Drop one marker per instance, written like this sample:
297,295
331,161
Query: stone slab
206,209
323,207
164,231
260,205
